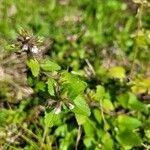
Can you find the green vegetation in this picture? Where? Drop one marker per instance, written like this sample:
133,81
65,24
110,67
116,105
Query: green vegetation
76,77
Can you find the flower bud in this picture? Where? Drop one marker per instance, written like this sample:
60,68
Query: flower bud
71,106
57,110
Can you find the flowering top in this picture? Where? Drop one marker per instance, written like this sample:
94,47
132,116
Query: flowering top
28,42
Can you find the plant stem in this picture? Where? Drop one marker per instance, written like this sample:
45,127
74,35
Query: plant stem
78,137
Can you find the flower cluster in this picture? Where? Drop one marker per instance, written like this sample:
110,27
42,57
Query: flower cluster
59,104
28,42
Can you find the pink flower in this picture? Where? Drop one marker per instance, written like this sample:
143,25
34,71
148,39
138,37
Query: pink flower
57,110
25,47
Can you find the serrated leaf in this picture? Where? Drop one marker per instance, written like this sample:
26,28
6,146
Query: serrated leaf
117,72
50,66
50,84
129,138
135,104
40,85
51,118
34,66
72,85
82,107
125,121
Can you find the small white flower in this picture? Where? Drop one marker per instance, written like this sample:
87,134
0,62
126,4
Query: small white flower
57,110
25,47
34,50
71,106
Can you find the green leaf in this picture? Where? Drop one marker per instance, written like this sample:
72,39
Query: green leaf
141,85
100,92
128,122
88,142
128,138
61,130
40,85
89,128
108,142
123,100
81,119
50,66
117,72
82,107
107,105
147,134
72,85
141,39
51,119
33,64
130,101
97,115
50,84
3,116
135,104
67,142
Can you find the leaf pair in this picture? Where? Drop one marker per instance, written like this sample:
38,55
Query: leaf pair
46,65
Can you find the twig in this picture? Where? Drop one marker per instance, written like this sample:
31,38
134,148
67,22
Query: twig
78,137
90,66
